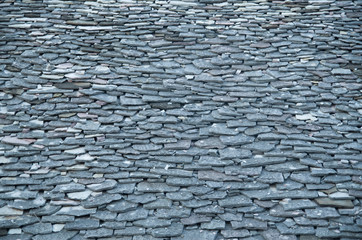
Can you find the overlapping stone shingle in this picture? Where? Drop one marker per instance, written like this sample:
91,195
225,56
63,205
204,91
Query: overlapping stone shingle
209,119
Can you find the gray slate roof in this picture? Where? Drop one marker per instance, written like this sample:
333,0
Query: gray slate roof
208,119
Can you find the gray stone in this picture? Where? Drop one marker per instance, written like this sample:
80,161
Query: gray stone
25,205
137,214
222,129
236,140
106,185
82,224
209,210
215,176
213,225
324,232
298,204
152,222
261,146
295,230
212,142
69,188
235,201
213,161
130,231
233,153
62,235
272,234
121,206
175,212
174,230
155,187
38,228
142,198
104,215
179,196
105,98
305,177
159,203
76,211
98,233
195,219
327,202
271,177
270,195
194,234
250,224
262,161
322,213
235,233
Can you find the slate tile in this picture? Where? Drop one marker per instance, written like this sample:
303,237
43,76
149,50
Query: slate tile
283,229
106,185
211,142
105,216
235,233
176,212
137,214
130,231
235,201
152,223
322,213
156,187
129,96
250,224
100,200
215,176
121,206
158,204
76,211
262,146
98,233
174,230
298,204
270,195
233,153
62,235
256,162
82,224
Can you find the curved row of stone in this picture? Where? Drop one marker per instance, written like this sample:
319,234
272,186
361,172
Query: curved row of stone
207,119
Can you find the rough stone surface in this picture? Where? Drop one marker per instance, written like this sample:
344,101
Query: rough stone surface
208,119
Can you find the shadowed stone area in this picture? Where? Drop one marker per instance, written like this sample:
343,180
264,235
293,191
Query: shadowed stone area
171,120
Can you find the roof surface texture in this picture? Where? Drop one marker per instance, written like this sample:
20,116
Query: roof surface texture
180,120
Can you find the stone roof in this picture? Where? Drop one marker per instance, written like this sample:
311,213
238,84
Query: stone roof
155,119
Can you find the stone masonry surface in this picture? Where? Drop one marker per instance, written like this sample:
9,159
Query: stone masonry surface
180,119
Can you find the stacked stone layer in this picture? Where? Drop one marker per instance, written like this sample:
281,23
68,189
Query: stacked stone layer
206,119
